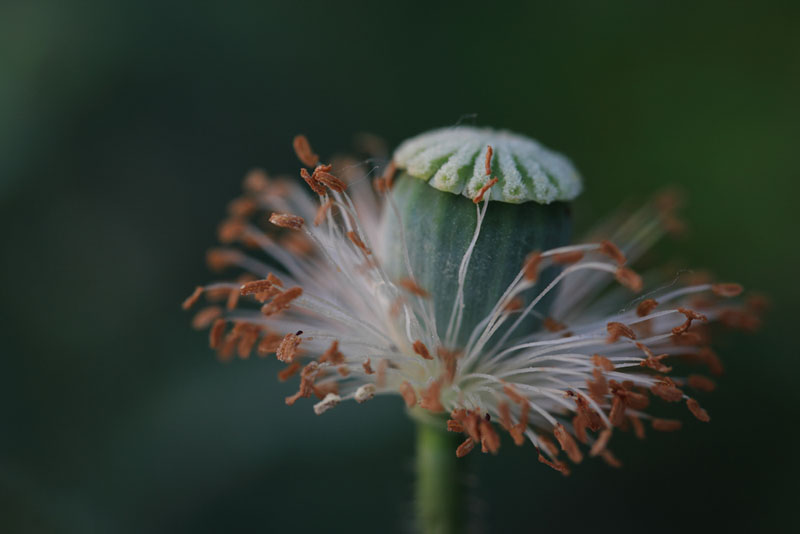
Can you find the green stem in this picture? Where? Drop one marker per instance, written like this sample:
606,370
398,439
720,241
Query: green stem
440,488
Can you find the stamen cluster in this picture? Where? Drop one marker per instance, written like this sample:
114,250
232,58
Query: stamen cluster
323,305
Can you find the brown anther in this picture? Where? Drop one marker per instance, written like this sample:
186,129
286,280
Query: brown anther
564,258
289,371
559,466
450,360
430,397
256,286
303,150
598,388
490,441
488,162
322,390
602,362
193,298
697,411
407,392
454,426
332,354
727,290
287,220
552,325
531,267
611,250
412,287
269,344
388,175
203,318
343,370
297,243
312,182
586,414
271,278
549,445
219,259
514,305
471,420
758,303
701,383
690,316
654,362
367,367
233,299
513,395
465,448
579,426
255,181
740,319
687,339
645,307
358,242
609,458
246,343
567,443
666,425
505,415
281,301
287,350
629,279
307,377
215,334
666,390
380,379
482,191
242,207
518,431
617,413
422,350
638,427
600,444
230,230
322,212
330,181
617,330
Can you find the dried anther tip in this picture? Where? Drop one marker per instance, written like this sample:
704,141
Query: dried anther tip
330,181
287,220
312,182
617,330
479,197
330,400
364,393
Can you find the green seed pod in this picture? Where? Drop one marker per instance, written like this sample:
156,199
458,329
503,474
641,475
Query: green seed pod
440,175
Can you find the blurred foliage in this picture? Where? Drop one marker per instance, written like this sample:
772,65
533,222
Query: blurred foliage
123,127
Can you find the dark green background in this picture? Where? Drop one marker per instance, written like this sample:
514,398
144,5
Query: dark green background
124,128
